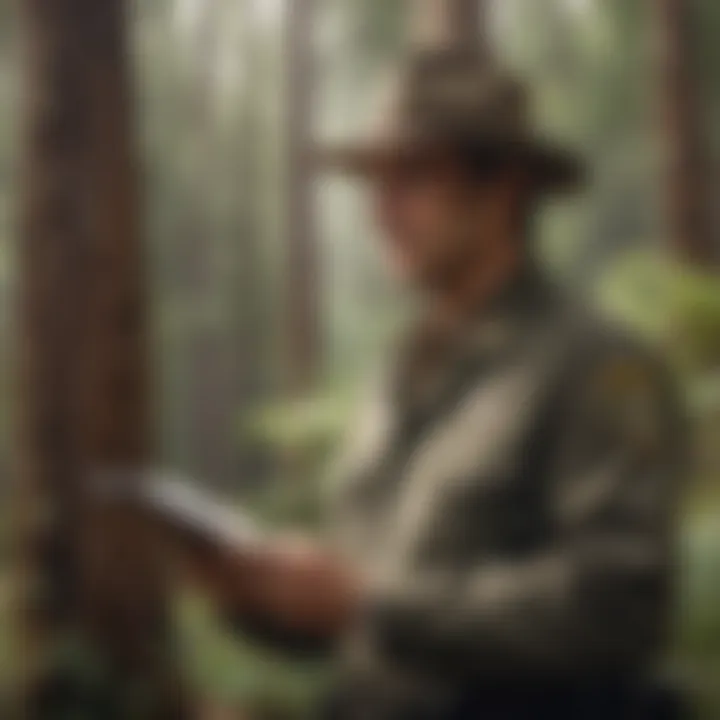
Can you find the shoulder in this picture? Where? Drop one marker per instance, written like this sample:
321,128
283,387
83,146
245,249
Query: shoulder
610,375
576,337
593,344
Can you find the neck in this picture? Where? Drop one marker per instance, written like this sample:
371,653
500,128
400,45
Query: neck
475,285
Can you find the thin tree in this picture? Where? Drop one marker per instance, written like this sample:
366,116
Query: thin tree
211,383
303,273
688,172
93,609
451,22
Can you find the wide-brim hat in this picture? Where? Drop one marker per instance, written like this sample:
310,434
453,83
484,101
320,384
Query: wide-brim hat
448,100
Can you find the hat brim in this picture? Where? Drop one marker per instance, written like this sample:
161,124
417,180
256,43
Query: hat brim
554,169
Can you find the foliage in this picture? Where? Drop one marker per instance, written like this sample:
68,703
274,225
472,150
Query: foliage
697,657
675,305
237,674
311,425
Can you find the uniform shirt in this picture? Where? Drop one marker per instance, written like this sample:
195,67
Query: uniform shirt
510,502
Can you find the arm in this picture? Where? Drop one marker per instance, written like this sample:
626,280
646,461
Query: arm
286,592
289,593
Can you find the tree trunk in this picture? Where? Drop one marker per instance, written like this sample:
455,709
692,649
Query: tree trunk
93,609
688,170
452,22
212,380
303,274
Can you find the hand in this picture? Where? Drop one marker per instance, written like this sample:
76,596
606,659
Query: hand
306,588
291,582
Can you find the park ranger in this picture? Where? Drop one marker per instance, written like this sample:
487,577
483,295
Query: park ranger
503,513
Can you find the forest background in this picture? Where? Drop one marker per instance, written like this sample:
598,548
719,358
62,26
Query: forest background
258,357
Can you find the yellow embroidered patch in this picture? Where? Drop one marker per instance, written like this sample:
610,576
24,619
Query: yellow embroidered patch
622,375
625,394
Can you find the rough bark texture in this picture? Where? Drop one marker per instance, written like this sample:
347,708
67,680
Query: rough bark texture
94,612
303,276
688,168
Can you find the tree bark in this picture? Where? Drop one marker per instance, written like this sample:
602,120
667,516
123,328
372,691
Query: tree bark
94,615
303,273
688,183
212,380
452,22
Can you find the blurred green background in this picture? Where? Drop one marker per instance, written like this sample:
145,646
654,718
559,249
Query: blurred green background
211,78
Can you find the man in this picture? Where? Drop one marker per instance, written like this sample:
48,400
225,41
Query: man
503,515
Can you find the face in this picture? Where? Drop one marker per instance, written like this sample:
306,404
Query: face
435,220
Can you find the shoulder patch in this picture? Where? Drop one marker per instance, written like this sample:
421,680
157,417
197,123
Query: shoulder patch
623,393
623,374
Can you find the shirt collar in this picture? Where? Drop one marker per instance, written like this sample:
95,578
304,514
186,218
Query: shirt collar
487,337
